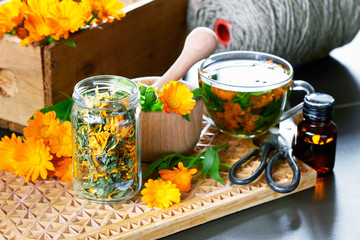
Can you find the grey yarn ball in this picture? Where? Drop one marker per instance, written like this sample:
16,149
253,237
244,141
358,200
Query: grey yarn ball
297,30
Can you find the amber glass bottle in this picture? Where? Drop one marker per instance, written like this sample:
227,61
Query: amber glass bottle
316,134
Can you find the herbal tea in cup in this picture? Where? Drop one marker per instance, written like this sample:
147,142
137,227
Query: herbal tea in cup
245,92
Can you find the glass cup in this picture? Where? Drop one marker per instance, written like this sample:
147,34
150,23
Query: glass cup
106,141
245,92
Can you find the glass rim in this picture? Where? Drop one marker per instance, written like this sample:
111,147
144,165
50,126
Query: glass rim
78,96
244,55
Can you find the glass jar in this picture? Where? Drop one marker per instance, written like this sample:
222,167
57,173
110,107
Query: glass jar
106,142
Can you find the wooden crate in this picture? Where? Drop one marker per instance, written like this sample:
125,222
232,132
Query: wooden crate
144,43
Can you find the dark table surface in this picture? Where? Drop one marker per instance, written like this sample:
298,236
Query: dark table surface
331,209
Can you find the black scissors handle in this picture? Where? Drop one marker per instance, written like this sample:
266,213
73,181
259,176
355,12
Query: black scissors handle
263,151
294,168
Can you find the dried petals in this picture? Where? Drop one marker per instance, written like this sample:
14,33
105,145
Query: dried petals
223,94
244,113
105,153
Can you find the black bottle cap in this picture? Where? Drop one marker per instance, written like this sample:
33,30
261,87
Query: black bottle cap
318,106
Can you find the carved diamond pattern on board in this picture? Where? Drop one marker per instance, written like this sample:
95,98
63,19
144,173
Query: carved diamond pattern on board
50,209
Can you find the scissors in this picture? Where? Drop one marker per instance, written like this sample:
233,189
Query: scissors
280,141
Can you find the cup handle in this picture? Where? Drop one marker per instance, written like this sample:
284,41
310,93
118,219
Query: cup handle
297,85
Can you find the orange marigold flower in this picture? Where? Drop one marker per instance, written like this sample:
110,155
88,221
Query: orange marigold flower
278,93
60,140
55,161
41,126
223,94
180,176
231,118
67,16
160,193
249,120
32,158
107,10
64,170
7,150
232,108
11,15
36,28
177,98
21,32
40,6
261,100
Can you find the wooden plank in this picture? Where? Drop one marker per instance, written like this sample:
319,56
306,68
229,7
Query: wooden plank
52,208
219,207
26,64
144,43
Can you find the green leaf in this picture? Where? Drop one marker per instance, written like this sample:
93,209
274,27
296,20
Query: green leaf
155,164
150,97
62,109
186,117
142,89
271,108
208,161
51,39
198,93
259,93
172,160
195,161
214,170
68,42
156,107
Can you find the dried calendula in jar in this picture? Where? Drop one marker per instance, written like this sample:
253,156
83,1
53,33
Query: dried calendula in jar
105,139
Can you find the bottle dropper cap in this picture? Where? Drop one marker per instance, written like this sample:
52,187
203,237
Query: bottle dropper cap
318,106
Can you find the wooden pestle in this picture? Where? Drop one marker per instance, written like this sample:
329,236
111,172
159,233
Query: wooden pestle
199,44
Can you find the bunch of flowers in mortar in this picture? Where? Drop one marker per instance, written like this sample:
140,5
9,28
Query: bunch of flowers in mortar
52,20
172,174
174,97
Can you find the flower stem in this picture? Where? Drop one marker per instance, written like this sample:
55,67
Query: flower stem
90,20
224,165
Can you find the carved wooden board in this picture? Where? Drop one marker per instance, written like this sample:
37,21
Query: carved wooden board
50,209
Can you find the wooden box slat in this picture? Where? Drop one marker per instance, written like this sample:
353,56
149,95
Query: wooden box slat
144,43
26,64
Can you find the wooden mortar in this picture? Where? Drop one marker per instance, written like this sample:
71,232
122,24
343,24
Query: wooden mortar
163,134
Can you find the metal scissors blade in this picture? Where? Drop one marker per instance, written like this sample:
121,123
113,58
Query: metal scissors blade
286,135
281,140
262,152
